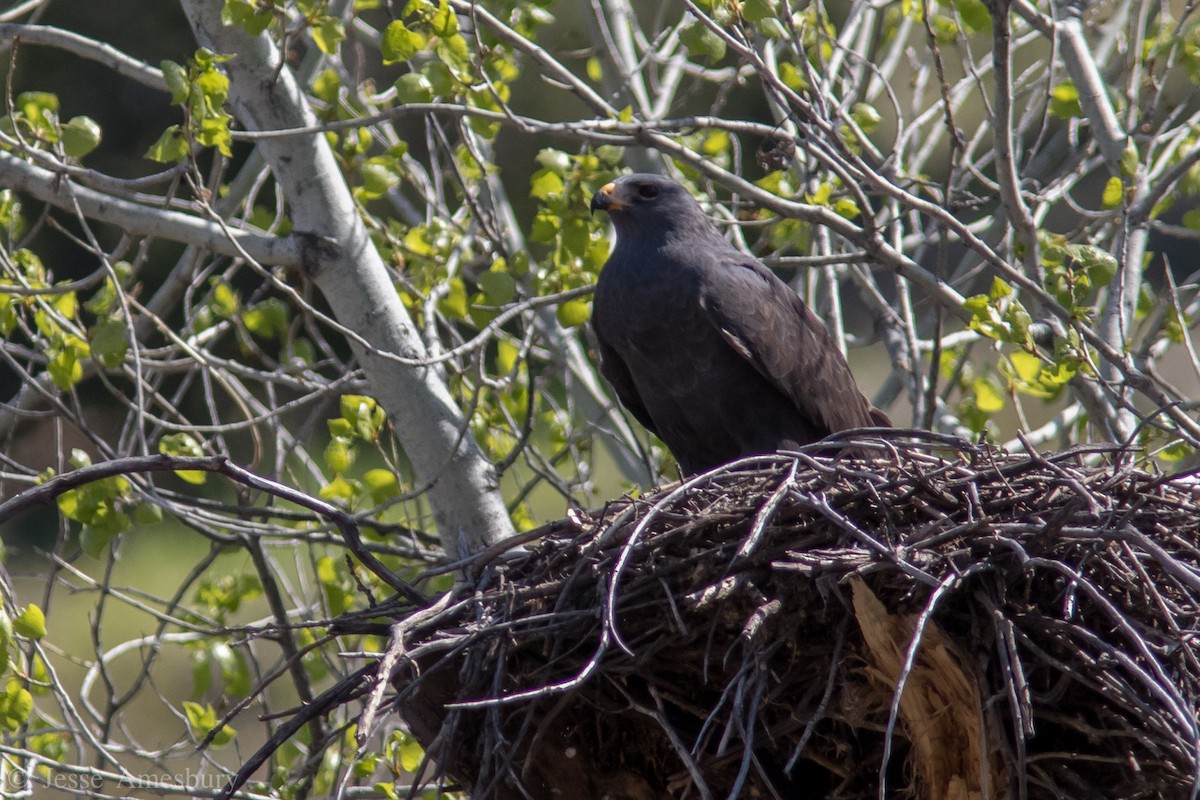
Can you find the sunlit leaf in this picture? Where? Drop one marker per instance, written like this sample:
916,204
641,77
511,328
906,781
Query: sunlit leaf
1114,193
80,136
702,41
401,43
414,87
185,445
987,397
1064,101
110,343
31,622
328,33
574,313
171,147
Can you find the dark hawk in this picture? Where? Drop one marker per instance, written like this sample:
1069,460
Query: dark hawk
703,344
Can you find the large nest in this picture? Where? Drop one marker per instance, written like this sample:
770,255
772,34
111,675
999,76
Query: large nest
931,621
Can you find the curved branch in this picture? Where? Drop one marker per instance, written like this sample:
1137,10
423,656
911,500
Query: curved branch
60,192
101,52
50,490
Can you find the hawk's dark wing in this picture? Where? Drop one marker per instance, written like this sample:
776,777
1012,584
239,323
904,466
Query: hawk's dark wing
616,373
771,327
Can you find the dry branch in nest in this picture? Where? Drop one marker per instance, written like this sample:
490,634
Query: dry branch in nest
932,621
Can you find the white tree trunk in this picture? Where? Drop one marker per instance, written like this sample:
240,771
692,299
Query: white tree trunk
463,493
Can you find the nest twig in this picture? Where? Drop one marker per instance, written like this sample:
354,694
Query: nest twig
949,623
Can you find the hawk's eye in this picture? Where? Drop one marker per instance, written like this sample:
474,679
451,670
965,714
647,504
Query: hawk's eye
647,191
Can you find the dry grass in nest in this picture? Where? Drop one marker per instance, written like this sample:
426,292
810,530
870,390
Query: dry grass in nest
935,621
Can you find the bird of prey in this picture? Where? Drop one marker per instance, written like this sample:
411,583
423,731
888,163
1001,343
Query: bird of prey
703,344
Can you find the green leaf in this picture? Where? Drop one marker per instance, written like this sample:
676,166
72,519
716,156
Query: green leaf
1064,101
1027,365
66,357
109,522
170,148
335,584
574,313
365,765
545,184
224,302
39,110
8,312
715,143
183,444
498,287
212,84
1175,452
202,719
987,398
865,116
364,414
339,456
338,489
201,673
545,227
792,77
507,355
214,132
268,319
16,704
177,81
341,428
31,623
845,207
94,542
1129,160
326,85
110,343
328,33
79,458
945,29
414,87
440,78
444,21
411,753
147,514
1000,289
401,43
247,14
1099,264
6,638
235,673
455,304
701,41
756,10
1114,193
576,236
80,136
820,196
224,595
379,176
974,15
556,161
382,484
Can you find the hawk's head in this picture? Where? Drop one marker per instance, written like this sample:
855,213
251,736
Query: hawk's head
644,206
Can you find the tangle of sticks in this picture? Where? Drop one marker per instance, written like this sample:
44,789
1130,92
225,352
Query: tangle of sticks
930,616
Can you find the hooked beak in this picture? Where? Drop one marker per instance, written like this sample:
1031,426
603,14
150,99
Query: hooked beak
606,199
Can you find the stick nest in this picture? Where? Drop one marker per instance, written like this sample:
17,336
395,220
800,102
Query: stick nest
925,620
